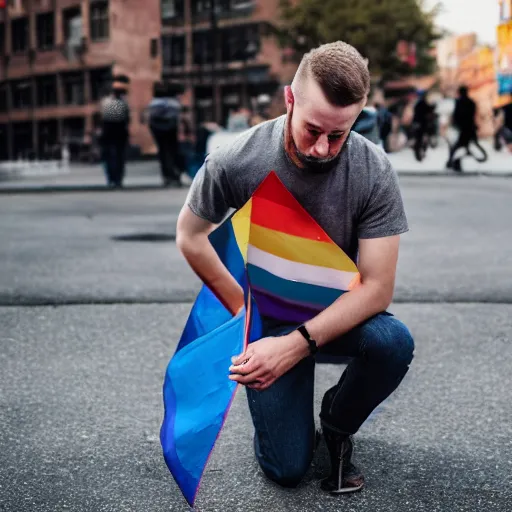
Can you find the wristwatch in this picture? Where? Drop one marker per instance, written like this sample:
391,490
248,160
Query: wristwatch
313,347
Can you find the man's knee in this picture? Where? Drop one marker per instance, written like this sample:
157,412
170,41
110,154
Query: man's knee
387,338
284,469
285,474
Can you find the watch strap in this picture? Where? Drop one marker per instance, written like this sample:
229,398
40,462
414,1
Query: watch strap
313,347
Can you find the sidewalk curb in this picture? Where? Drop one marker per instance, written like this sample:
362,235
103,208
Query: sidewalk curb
55,189
463,174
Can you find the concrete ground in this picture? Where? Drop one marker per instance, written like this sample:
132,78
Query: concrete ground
93,298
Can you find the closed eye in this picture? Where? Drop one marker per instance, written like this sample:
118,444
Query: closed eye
335,137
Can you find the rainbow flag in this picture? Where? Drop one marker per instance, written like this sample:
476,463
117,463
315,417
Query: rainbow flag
294,269
290,270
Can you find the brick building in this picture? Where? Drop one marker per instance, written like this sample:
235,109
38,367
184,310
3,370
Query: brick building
57,58
224,61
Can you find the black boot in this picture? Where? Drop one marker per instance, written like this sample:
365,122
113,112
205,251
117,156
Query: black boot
344,477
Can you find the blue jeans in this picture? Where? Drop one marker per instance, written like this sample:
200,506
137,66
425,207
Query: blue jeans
379,351
114,156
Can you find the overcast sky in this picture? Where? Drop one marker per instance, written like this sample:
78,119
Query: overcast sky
461,16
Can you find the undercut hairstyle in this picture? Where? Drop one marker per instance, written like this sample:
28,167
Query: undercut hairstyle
340,71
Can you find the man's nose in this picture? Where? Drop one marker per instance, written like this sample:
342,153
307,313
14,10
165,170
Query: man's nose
322,146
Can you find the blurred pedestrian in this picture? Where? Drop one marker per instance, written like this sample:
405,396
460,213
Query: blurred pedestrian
261,114
163,117
238,120
115,122
464,119
384,120
422,120
503,127
367,125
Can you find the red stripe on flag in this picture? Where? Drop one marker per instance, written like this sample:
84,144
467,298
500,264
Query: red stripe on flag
275,207
284,219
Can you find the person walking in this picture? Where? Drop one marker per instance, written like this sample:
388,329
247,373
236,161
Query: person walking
347,184
164,116
464,119
114,137
384,120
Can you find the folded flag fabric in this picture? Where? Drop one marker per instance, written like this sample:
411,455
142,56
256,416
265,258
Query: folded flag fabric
290,270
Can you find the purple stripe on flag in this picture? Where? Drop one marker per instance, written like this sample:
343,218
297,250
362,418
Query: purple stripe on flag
279,309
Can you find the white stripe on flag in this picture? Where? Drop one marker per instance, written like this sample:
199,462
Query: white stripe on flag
301,272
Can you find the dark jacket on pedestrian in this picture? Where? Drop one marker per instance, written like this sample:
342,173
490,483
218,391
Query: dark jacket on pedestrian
464,114
164,114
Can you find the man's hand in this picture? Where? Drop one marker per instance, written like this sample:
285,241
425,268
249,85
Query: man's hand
265,360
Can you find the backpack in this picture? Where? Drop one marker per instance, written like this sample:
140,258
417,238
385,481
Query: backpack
164,113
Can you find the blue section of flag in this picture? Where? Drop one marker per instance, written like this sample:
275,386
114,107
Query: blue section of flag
197,391
197,395
293,291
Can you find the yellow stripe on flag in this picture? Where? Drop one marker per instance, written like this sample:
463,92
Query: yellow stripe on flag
241,222
300,250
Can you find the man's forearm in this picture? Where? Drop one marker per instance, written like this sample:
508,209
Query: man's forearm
347,312
205,262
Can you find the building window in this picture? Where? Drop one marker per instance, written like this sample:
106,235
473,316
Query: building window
173,51
2,38
153,48
48,138
171,9
99,21
204,7
73,85
240,43
21,91
203,47
241,4
4,150
3,97
19,35
100,83
46,90
201,7
72,24
45,31
73,128
22,140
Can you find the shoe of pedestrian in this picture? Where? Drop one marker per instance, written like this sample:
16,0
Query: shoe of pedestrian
456,166
344,477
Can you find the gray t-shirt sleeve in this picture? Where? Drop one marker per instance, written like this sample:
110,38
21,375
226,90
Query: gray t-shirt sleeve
384,213
210,196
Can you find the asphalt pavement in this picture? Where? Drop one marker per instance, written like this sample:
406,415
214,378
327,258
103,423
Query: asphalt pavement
93,298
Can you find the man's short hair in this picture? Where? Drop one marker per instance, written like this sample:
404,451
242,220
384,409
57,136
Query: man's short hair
340,71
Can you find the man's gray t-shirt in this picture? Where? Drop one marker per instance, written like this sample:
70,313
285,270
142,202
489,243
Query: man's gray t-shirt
359,198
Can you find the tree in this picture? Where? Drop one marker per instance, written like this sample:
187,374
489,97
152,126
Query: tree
374,27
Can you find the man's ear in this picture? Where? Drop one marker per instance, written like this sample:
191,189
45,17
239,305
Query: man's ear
288,98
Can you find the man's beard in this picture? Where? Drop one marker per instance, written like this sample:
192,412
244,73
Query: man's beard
309,163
